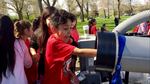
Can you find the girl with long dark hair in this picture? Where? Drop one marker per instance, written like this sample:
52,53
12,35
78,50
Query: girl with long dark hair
14,54
45,26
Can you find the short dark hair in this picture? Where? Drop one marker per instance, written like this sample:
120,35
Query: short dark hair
36,23
60,17
72,17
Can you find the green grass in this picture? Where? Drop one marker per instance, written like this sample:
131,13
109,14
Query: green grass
109,23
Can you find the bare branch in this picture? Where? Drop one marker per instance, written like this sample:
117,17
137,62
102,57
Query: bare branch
54,2
12,9
22,5
16,4
40,5
45,2
78,4
48,3
11,4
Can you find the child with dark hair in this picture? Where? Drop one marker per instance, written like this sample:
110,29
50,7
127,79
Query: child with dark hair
74,32
45,26
36,23
116,20
92,27
14,54
34,44
103,28
59,51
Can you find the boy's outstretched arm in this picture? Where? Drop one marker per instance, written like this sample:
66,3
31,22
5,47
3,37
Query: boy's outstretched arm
85,52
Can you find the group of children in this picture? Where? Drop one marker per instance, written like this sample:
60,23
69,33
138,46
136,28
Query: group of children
143,28
46,51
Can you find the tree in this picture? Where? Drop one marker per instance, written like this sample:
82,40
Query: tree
108,4
30,8
16,6
104,13
119,12
47,3
131,9
104,5
71,5
81,9
40,5
27,9
114,11
3,7
86,7
94,9
118,7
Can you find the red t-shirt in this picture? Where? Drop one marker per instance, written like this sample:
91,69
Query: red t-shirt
93,29
27,42
32,72
135,30
74,33
57,55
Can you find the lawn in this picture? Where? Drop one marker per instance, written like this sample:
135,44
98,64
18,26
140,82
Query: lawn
109,23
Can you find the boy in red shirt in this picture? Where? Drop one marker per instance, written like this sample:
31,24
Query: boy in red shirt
59,51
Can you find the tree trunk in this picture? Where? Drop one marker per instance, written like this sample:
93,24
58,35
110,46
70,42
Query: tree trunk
131,9
82,15
108,16
82,12
40,6
69,10
48,3
114,11
28,16
104,13
20,15
87,10
54,2
119,9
